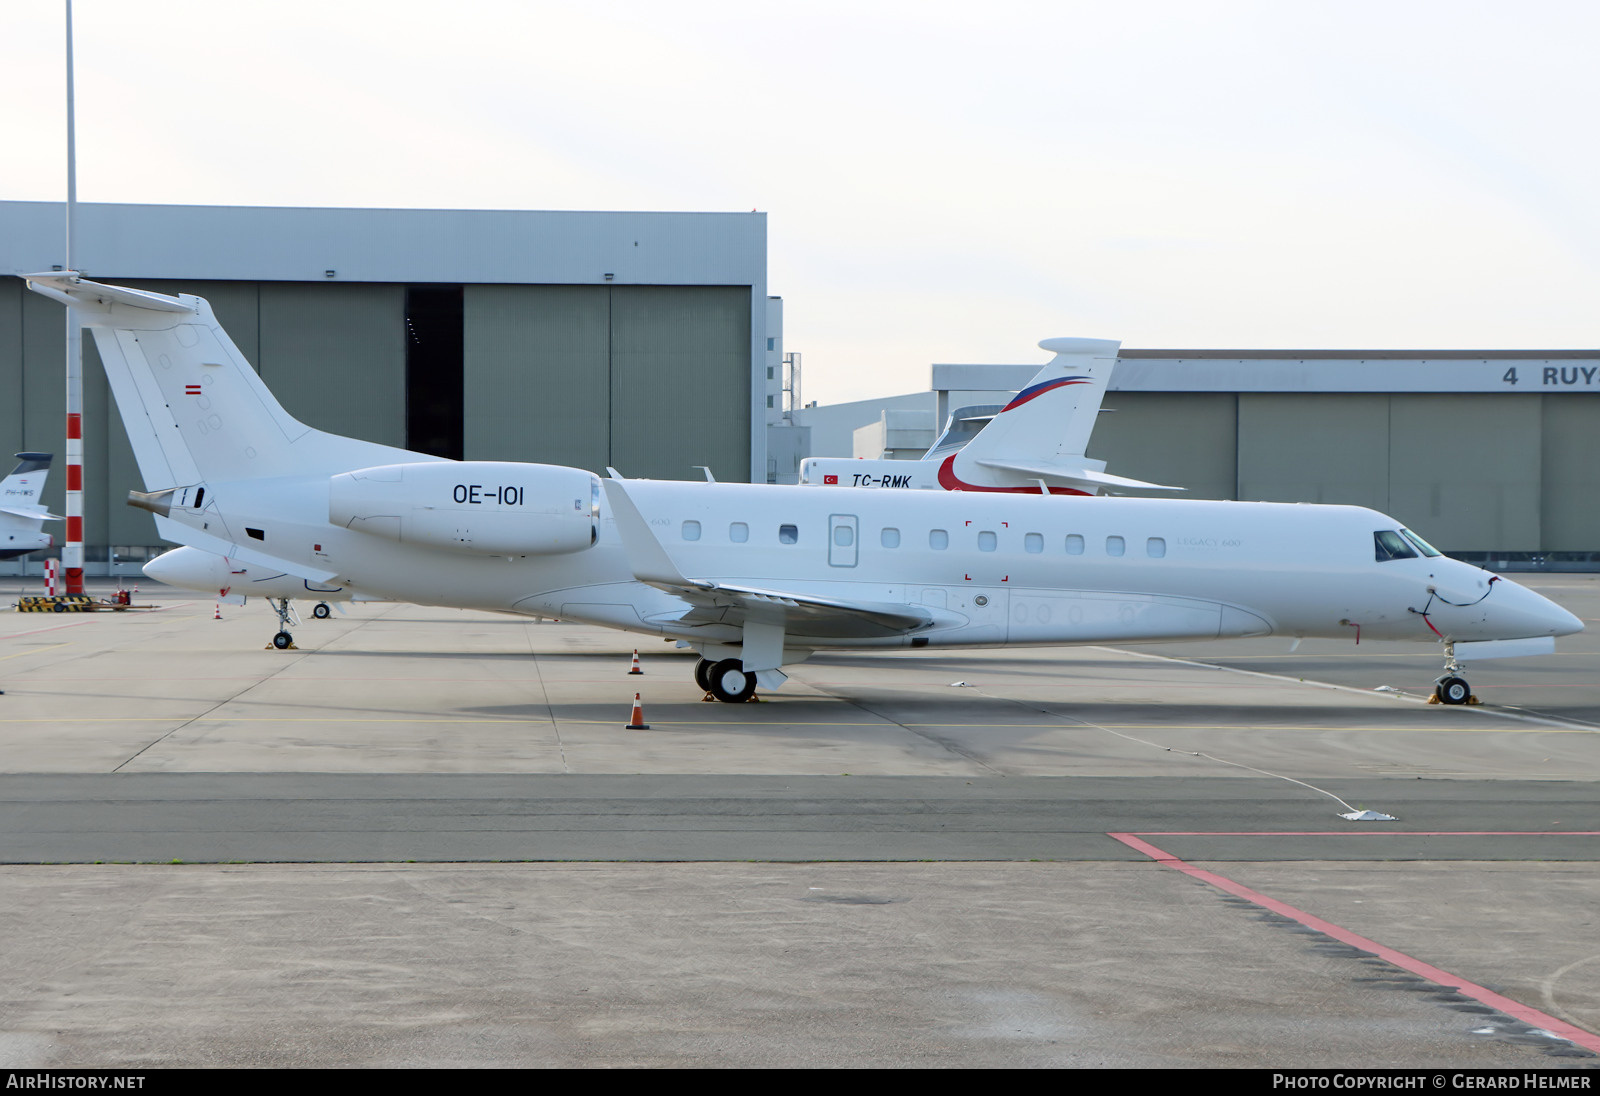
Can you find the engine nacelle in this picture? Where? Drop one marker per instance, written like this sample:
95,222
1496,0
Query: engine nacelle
494,508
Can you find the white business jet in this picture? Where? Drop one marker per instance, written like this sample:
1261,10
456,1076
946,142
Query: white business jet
22,515
1034,444
755,577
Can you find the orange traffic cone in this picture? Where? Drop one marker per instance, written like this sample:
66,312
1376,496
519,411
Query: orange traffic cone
636,669
219,612
638,723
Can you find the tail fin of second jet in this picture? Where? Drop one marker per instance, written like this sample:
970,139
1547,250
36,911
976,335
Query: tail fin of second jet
1041,435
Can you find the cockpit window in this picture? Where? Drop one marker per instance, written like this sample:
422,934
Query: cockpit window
1389,544
1421,545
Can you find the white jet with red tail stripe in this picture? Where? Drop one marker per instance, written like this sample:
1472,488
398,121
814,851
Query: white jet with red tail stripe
753,577
1036,443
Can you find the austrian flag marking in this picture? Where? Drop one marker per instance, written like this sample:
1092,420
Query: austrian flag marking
191,390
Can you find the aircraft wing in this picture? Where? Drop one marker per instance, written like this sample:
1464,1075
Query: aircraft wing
712,602
1083,475
798,614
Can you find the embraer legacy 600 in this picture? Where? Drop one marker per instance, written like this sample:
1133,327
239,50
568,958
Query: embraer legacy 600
753,577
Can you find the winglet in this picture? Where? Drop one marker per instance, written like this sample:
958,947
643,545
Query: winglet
646,557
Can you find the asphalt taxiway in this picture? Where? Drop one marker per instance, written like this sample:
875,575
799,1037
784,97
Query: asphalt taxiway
427,837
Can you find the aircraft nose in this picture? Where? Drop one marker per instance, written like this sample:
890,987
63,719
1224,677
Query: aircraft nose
1539,615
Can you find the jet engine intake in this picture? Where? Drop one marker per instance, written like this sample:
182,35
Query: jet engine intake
493,508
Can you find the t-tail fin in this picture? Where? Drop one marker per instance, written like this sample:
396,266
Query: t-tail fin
194,409
1038,440
1054,415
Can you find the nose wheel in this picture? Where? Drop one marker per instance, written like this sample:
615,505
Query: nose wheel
1452,688
283,641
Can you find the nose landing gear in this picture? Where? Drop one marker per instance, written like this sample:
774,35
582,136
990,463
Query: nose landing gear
283,641
1451,688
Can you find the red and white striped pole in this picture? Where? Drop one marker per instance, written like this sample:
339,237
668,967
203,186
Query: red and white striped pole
72,551
50,578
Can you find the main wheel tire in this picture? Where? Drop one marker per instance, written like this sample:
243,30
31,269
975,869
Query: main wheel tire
1454,690
730,684
321,611
702,674
282,640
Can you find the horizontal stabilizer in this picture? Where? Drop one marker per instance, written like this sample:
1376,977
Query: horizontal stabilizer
75,291
40,513
195,538
1079,473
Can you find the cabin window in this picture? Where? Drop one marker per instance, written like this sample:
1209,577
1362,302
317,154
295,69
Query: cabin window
1388,544
1421,545
938,540
788,534
890,538
691,530
986,541
1074,544
1115,546
843,536
1034,543
738,532
1155,547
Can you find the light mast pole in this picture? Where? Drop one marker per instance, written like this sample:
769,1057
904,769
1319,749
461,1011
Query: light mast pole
72,551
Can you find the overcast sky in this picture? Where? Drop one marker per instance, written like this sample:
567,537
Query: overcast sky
943,182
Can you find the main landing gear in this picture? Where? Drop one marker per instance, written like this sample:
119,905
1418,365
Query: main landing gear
1451,687
725,680
321,610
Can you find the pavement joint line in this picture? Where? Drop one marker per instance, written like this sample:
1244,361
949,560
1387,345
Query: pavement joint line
1561,1029
283,667
36,650
1197,753
958,751
561,747
1480,709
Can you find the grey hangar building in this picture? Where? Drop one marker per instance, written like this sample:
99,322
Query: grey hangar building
648,342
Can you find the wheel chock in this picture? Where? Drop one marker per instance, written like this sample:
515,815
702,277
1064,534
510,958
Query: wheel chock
1433,698
1473,700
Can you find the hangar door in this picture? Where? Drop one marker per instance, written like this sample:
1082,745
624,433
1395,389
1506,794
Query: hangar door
651,380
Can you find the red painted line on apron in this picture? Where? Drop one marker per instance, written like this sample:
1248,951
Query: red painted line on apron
1527,1015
